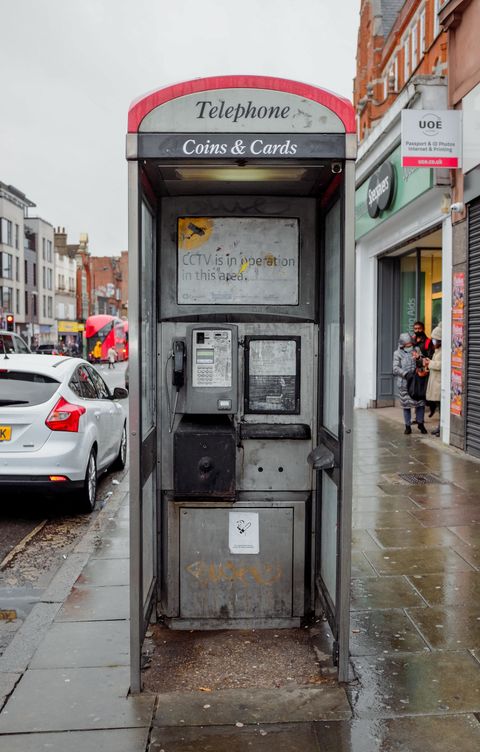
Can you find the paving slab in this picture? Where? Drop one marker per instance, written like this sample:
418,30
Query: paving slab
430,734
419,560
111,740
74,699
449,628
418,536
7,684
449,589
372,593
438,683
259,738
376,632
470,554
20,651
463,515
363,541
388,519
103,572
84,645
87,603
251,706
468,533
360,566
384,504
115,546
451,500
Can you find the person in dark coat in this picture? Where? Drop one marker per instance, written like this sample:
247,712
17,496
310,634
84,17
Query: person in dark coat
405,360
422,341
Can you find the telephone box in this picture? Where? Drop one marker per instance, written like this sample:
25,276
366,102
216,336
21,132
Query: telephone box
241,299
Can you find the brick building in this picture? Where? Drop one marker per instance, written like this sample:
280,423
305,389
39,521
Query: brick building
404,248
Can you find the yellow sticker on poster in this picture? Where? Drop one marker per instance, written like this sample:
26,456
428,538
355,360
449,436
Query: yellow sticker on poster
193,232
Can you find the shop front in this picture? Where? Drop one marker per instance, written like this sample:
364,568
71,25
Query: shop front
403,262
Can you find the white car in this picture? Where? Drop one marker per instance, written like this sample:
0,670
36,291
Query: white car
12,343
60,426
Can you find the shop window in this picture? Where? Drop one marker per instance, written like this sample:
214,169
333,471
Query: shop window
421,289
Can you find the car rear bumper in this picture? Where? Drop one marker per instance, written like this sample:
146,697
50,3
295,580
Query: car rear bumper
40,482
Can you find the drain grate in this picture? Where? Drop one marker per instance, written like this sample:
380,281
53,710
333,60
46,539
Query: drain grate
420,479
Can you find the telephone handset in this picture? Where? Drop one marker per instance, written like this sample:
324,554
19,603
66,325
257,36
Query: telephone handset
178,372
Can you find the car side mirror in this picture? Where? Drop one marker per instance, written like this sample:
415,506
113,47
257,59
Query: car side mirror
120,393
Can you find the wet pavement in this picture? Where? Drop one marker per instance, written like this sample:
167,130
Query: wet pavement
415,635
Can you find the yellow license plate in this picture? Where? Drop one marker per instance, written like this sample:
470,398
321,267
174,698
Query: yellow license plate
5,433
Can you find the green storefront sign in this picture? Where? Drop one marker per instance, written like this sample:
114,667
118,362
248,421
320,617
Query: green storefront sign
410,182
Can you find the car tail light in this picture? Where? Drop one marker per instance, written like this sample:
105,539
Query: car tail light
64,416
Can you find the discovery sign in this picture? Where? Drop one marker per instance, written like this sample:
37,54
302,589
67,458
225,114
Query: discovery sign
432,138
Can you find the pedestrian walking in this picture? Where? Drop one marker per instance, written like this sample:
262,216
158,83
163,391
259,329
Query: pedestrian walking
434,366
405,361
112,356
97,352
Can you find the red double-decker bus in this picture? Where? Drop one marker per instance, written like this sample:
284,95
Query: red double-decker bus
110,332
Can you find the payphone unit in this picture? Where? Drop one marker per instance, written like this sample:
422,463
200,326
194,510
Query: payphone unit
241,281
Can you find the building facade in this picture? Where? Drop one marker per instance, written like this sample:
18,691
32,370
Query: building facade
45,332
404,236
68,330
13,267
460,19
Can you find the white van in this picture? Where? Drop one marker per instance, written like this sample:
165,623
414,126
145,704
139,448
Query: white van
12,343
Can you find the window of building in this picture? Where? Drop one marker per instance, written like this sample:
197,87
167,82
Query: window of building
45,306
18,300
436,24
35,274
49,251
414,46
50,306
6,265
423,41
17,236
49,279
6,231
25,271
26,303
6,298
34,301
17,269
406,59
44,276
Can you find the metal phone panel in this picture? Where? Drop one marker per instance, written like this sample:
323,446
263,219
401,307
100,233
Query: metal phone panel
212,370
214,582
276,465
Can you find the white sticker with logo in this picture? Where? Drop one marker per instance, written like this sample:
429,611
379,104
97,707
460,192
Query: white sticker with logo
243,532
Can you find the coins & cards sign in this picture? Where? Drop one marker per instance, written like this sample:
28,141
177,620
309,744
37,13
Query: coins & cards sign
432,138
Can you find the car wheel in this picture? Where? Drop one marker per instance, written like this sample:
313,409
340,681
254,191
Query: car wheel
87,495
121,459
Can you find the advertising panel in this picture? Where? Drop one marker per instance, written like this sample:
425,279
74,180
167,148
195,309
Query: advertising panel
432,138
237,261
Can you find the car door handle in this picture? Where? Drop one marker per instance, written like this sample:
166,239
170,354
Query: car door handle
97,414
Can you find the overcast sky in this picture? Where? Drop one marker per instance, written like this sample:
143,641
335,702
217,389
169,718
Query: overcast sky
70,69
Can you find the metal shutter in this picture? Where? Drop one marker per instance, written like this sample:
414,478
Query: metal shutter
473,328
